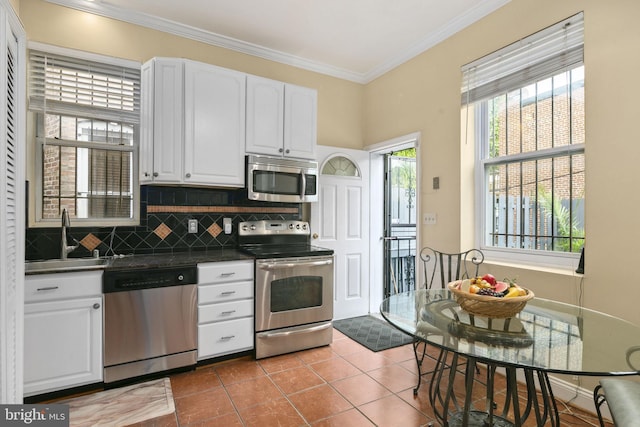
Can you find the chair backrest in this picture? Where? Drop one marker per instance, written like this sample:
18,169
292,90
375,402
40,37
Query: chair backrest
441,268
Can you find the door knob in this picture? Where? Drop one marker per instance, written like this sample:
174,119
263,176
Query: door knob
315,235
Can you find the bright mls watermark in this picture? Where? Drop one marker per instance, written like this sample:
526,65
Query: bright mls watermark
54,415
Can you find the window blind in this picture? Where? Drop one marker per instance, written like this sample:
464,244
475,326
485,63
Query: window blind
533,58
78,87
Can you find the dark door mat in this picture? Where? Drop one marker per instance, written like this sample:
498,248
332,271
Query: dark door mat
371,332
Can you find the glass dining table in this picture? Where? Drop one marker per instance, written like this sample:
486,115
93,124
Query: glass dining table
545,337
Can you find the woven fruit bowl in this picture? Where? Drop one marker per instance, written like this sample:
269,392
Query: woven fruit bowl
489,306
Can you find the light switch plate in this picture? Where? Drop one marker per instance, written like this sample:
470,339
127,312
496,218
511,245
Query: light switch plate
429,218
227,226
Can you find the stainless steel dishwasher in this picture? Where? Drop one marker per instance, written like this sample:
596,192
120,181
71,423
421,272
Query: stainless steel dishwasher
150,321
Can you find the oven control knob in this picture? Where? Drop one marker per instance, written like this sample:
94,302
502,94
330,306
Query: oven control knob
180,277
298,226
291,226
304,226
253,227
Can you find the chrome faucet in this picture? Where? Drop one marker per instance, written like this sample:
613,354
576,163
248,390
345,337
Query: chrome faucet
65,249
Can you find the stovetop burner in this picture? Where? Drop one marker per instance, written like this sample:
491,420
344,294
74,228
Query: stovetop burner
284,251
277,239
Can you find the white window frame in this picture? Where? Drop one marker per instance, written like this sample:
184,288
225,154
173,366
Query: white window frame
507,77
37,149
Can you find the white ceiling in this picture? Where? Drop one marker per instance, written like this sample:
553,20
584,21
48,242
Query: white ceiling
356,40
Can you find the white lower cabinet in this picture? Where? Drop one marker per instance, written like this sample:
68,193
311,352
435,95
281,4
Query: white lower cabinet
225,308
62,331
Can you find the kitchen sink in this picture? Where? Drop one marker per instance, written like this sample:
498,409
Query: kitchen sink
69,264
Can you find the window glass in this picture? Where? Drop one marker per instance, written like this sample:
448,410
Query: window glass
87,116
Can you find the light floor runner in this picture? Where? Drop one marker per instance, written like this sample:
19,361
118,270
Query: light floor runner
122,406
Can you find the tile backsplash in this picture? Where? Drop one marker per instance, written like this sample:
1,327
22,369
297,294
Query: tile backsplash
164,215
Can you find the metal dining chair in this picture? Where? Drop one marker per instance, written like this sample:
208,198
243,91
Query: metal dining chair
622,396
439,269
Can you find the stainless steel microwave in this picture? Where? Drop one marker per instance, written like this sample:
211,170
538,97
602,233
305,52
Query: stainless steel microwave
274,179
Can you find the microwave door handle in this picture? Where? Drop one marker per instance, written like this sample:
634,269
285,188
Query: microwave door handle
304,183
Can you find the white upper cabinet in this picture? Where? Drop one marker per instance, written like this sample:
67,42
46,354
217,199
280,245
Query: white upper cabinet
214,126
281,119
193,124
162,109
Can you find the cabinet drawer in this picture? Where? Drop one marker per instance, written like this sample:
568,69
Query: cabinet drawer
225,311
219,272
224,292
49,287
217,339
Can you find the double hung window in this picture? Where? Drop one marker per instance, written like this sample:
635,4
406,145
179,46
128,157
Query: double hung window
523,106
87,114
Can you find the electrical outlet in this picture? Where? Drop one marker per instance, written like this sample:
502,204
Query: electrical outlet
429,218
193,226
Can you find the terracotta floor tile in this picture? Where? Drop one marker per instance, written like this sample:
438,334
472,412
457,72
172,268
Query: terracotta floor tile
319,402
316,354
243,370
394,377
194,381
335,369
202,406
360,389
280,363
350,418
274,413
252,392
391,411
295,380
169,420
367,360
400,354
346,346
228,420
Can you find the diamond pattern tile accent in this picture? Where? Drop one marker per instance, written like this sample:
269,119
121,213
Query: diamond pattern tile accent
214,229
162,231
90,242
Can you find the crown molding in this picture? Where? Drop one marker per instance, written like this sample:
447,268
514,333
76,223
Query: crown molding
182,30
458,24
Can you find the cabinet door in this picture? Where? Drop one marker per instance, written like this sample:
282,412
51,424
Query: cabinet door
265,116
162,130
300,122
215,100
62,344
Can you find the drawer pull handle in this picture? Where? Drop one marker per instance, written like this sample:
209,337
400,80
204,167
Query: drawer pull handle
227,274
48,288
227,338
227,313
96,306
227,293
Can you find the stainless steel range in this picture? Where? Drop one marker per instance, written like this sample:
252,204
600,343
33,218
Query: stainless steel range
293,286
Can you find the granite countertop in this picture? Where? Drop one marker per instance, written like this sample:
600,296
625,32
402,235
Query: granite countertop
128,262
177,259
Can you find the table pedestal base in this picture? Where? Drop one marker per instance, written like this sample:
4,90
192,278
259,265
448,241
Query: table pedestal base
452,410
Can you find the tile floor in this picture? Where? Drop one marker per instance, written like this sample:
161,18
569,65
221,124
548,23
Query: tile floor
343,384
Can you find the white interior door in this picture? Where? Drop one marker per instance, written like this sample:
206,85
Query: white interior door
340,221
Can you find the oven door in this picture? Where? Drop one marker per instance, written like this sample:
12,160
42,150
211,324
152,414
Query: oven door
293,291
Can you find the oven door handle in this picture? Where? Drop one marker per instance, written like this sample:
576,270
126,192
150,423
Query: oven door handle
276,266
298,331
